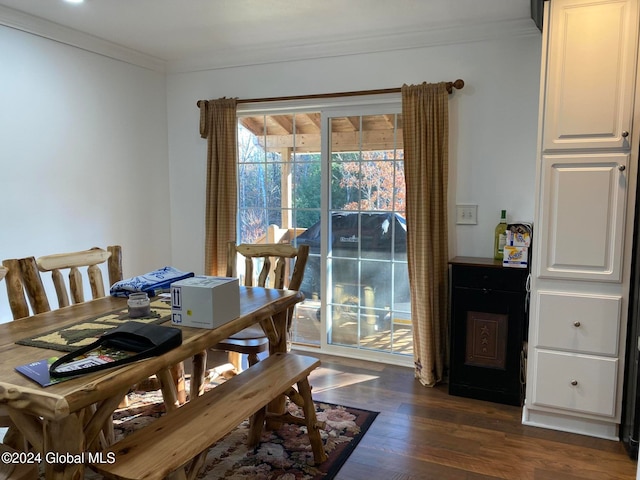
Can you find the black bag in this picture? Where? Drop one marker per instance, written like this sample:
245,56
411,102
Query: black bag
145,340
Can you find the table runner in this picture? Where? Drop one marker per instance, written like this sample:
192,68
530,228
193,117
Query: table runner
71,337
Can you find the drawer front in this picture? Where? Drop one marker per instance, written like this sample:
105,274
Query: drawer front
579,323
579,383
498,278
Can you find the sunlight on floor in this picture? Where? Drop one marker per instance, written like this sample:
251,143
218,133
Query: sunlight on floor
325,379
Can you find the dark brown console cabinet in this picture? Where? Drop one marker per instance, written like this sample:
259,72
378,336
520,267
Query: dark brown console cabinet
488,328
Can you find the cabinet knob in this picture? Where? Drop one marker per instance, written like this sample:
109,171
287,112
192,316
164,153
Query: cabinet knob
574,382
622,168
576,324
625,134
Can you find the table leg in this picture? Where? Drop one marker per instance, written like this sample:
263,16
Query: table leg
277,406
30,428
63,439
169,391
199,367
177,372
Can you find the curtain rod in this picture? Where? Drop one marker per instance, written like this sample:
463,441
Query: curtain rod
458,85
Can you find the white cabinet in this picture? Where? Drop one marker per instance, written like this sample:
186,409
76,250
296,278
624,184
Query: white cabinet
590,74
583,201
583,226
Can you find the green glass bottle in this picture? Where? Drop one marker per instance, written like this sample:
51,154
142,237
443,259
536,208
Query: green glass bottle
500,236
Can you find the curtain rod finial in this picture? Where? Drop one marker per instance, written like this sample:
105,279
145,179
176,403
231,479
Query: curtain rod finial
458,84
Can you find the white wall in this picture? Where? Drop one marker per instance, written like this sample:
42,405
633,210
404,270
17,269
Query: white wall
83,155
493,126
84,158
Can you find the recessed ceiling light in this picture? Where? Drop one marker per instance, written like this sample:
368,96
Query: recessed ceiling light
74,1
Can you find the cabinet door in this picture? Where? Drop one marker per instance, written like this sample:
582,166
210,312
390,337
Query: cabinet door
486,342
590,74
582,216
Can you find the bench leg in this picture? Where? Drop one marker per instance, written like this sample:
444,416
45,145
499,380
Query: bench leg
295,397
309,409
177,475
196,464
256,423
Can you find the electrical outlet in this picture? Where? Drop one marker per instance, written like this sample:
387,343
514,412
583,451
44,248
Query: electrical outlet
466,214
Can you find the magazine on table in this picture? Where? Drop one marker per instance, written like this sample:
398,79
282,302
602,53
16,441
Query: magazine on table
38,371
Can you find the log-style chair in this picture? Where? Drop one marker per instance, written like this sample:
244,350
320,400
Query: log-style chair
12,436
24,277
266,265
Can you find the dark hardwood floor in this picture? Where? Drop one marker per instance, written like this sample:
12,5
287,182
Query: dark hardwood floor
424,433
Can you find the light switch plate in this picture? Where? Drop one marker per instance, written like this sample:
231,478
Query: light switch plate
466,214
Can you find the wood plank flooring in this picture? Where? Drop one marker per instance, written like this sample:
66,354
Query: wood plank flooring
424,433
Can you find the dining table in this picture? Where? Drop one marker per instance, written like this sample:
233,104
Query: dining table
64,422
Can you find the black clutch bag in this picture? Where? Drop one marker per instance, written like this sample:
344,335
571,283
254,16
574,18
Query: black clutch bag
142,340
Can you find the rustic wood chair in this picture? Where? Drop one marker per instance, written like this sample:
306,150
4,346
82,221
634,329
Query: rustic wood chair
23,276
266,265
12,437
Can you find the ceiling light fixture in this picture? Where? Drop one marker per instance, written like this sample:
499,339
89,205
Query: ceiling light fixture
74,1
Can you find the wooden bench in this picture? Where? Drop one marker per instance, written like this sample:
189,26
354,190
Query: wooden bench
176,444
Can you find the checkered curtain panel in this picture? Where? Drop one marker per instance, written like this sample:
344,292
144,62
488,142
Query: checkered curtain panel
425,116
218,124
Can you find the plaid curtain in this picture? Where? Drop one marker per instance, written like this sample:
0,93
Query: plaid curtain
218,124
425,117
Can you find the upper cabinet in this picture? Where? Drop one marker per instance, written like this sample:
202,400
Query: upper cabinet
590,75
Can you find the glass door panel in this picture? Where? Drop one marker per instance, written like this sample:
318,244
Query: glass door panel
366,241
347,203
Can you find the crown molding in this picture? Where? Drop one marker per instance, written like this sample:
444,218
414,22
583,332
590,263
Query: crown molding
274,52
381,42
53,31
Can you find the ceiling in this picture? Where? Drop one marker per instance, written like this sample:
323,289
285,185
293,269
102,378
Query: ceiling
189,35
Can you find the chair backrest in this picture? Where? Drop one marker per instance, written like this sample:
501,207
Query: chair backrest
267,264
23,275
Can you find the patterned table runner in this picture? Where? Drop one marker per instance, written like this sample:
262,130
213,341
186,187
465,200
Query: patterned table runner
82,333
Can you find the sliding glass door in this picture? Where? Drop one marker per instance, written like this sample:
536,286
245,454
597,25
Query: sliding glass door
334,179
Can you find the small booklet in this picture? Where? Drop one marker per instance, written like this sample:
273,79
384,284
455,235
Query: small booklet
38,371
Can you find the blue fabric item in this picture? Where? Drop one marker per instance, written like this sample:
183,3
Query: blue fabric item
152,283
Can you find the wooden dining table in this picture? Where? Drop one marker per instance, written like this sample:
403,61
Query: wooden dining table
64,421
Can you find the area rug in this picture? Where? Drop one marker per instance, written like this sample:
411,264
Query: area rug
284,454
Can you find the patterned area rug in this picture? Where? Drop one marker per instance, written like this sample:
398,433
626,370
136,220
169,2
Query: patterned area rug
284,454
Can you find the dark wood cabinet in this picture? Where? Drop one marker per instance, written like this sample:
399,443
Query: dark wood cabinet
488,325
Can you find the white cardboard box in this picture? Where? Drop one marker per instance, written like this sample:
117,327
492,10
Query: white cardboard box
205,302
